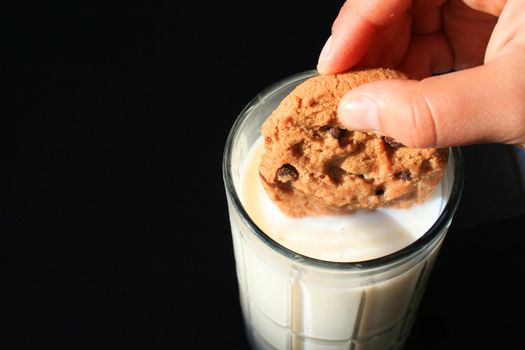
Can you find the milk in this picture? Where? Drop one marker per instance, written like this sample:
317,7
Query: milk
361,236
292,304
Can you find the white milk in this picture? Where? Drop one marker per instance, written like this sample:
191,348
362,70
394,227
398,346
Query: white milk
291,304
362,236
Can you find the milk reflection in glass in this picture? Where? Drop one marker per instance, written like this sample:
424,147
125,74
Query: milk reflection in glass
293,302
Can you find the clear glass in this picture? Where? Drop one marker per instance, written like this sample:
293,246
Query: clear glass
292,301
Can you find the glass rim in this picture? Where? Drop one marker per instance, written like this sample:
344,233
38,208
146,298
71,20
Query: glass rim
423,241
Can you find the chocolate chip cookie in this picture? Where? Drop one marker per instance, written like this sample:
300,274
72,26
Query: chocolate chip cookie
313,165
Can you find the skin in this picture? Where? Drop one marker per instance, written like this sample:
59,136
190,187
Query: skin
480,43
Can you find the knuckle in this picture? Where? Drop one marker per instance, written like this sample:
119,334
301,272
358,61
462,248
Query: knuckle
423,131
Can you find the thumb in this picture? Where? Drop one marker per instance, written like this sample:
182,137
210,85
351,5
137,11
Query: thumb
478,105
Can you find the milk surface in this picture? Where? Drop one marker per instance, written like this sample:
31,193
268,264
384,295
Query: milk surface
360,236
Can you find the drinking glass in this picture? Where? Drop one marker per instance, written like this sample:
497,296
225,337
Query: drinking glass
292,301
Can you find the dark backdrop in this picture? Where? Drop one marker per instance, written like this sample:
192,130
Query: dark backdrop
114,223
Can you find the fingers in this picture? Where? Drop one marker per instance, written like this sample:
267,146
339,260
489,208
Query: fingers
354,30
357,31
493,7
468,33
478,105
427,16
427,54
389,46
344,48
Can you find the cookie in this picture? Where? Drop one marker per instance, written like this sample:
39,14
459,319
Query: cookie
313,165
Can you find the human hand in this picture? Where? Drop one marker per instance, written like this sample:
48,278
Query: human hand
483,41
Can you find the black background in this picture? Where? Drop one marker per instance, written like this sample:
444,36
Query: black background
115,223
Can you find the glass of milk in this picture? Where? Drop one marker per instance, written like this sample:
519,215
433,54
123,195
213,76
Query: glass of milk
334,282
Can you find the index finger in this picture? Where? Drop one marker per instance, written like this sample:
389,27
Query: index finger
354,30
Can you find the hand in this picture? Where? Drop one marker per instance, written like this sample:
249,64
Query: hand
481,41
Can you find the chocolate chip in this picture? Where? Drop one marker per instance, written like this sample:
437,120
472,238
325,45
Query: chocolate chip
297,149
404,175
287,173
392,143
334,131
380,191
335,174
425,166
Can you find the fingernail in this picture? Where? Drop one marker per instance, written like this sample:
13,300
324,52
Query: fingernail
360,113
326,51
